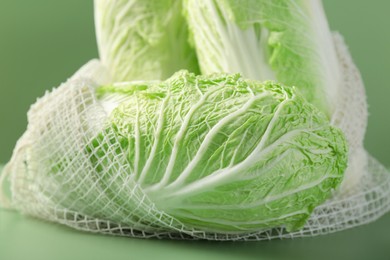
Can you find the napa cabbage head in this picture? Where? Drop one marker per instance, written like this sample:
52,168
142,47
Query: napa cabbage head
284,40
220,153
143,40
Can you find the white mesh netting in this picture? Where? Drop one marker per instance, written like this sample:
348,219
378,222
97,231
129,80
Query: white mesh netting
52,186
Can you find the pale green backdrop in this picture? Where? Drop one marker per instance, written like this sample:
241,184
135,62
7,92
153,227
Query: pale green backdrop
43,42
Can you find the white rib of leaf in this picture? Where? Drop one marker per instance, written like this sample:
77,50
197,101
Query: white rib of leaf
157,134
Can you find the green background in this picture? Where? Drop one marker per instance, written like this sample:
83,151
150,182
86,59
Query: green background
43,42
